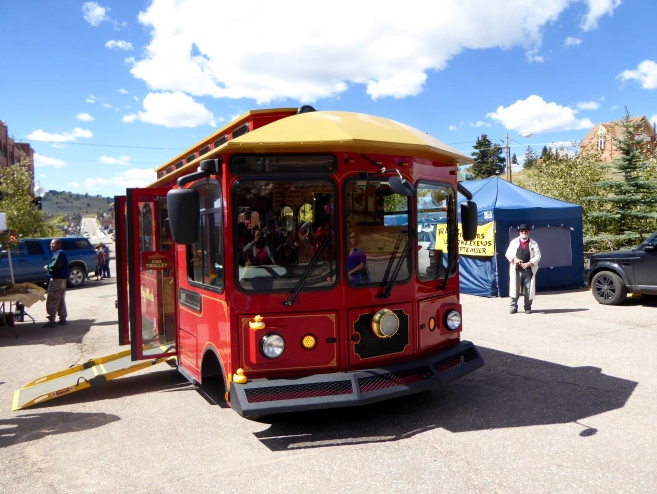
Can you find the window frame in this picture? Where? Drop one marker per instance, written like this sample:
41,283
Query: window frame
203,235
452,234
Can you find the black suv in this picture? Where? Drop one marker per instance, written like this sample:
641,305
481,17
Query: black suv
611,275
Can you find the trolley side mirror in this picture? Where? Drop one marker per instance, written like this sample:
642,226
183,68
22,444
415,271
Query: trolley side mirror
469,220
183,208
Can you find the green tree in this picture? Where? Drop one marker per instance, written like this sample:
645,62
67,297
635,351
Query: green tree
514,159
628,212
489,161
17,203
530,158
570,177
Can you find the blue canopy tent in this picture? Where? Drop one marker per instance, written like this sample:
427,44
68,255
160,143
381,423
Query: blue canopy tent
555,225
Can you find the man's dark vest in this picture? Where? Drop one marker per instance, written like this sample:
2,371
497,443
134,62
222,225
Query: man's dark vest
523,254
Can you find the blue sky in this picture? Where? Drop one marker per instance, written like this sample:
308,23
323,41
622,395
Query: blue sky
105,92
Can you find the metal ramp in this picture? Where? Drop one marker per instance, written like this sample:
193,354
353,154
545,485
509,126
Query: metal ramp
78,377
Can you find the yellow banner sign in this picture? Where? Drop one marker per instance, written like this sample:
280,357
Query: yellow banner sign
483,245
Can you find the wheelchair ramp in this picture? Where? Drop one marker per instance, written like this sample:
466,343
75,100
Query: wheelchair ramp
78,377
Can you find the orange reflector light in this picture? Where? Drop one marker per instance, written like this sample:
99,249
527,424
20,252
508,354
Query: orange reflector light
432,323
308,342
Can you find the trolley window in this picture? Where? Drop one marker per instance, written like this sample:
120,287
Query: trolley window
378,230
206,255
285,235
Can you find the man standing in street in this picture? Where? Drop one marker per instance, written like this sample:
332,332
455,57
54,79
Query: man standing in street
58,275
523,254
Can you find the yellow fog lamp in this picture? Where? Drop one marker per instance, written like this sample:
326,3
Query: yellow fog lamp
385,324
309,341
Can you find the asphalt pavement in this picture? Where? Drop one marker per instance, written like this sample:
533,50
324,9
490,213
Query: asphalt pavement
564,404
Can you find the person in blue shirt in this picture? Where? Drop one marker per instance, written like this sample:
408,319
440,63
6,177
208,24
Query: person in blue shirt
58,276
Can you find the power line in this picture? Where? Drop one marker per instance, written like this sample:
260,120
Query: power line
113,145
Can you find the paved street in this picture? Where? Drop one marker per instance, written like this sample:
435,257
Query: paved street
564,404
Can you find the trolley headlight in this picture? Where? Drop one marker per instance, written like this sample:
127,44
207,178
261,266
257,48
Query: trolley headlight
272,345
385,323
453,320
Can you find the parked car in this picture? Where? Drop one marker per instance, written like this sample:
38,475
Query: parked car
611,275
31,254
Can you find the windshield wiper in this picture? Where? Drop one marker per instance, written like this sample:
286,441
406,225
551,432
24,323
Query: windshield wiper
388,289
306,273
393,255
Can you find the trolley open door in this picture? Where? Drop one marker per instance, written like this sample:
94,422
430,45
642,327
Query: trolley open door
151,284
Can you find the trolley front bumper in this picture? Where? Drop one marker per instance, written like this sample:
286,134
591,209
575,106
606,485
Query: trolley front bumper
342,389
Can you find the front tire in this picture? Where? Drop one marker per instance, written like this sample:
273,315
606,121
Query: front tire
76,277
608,288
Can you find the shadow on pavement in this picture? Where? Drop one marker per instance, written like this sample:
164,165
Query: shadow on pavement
34,426
509,391
35,334
556,311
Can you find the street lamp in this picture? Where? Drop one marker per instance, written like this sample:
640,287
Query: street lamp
39,193
508,153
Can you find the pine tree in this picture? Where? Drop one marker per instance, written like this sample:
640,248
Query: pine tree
489,161
530,158
629,214
514,159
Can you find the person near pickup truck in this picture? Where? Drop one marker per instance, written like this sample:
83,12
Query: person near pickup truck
58,276
523,254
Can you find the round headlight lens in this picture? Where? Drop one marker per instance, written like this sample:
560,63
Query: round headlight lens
272,345
385,323
453,320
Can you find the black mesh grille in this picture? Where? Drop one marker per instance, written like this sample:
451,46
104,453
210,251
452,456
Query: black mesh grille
455,361
372,346
391,379
298,391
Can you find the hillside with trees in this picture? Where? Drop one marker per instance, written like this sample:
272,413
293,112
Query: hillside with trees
70,204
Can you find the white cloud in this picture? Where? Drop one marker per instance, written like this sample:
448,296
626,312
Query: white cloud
134,177
588,105
479,124
91,99
123,91
41,161
94,14
536,115
107,105
453,127
74,184
119,45
136,98
129,118
121,160
323,58
172,110
533,56
70,136
84,117
597,9
570,41
646,73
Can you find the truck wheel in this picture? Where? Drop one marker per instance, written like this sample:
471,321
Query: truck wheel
76,277
608,288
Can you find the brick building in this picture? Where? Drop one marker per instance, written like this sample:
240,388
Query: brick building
12,152
600,137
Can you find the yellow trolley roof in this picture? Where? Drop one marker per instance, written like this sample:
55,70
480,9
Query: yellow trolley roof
334,131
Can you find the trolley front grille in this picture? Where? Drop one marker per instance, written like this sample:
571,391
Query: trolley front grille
374,383
297,391
455,361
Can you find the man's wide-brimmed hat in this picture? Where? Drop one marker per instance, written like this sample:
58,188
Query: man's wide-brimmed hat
524,226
